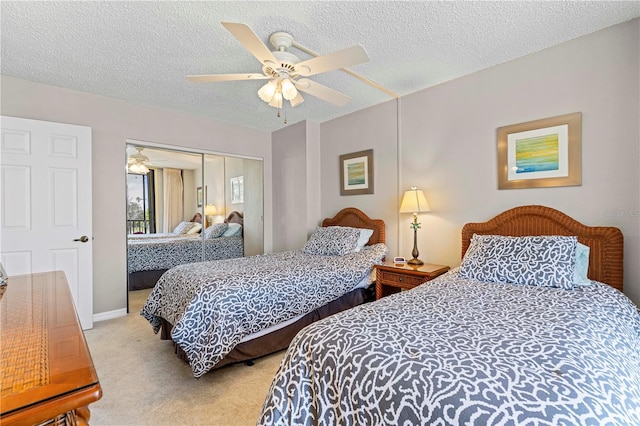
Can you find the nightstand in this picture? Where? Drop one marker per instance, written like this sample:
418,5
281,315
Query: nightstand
394,277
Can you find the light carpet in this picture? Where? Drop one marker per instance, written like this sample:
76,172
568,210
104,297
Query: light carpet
144,383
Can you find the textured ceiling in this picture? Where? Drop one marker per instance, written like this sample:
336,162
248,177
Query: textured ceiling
141,52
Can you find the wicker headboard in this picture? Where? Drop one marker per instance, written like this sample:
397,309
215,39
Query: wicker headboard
357,219
606,243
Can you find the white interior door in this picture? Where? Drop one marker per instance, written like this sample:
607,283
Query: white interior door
45,201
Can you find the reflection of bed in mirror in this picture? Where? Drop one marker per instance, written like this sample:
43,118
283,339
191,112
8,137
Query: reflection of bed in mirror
151,255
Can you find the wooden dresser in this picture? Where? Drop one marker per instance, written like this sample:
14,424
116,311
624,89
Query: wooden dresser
46,372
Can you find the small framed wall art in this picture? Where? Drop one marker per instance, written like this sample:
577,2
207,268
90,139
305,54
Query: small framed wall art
356,173
199,196
541,153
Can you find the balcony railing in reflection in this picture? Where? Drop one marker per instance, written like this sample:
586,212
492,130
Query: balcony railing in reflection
137,226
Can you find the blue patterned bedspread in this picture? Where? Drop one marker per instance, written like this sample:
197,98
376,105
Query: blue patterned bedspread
213,305
457,351
159,235
164,253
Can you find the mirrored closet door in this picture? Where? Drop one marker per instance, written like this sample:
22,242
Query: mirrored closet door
185,207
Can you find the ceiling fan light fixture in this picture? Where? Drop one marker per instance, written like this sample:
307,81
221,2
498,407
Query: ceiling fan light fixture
136,162
297,100
138,168
139,156
276,100
267,91
288,89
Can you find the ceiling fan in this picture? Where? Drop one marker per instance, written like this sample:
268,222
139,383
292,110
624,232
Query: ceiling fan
285,71
136,162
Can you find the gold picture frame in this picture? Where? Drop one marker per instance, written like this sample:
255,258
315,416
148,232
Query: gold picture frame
199,196
541,153
356,173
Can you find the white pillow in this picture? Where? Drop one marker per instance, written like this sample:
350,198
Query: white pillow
195,228
581,265
365,234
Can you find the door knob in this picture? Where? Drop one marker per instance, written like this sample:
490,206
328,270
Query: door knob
82,239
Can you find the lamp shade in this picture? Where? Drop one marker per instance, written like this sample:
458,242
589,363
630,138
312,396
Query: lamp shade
267,91
276,100
210,210
288,89
414,201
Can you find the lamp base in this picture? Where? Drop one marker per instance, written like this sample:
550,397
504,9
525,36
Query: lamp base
415,261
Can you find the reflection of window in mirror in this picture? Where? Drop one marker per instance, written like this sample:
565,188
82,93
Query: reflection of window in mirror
237,190
140,203
163,194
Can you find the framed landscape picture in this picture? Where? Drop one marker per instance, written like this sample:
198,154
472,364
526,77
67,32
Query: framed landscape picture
199,196
541,153
356,173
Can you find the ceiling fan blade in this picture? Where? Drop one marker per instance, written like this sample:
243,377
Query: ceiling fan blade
250,41
332,61
322,92
226,77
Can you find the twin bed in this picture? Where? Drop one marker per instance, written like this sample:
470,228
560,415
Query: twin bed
239,309
513,336
509,337
151,255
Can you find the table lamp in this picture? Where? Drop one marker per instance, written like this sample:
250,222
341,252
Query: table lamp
414,202
209,211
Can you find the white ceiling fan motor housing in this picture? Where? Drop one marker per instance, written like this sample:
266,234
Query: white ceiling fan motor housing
286,60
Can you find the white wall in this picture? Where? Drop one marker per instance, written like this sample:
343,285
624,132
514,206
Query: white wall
447,146
374,128
314,176
289,147
113,122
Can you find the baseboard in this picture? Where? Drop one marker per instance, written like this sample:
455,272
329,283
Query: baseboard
103,316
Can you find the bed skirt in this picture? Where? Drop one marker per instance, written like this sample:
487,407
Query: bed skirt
279,339
144,279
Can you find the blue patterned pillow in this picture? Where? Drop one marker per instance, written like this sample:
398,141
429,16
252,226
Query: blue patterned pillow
543,261
216,230
183,228
332,241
